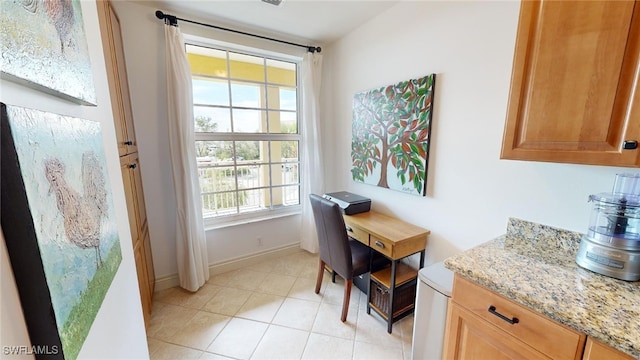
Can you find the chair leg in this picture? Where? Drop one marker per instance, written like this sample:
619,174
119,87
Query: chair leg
333,276
347,297
320,274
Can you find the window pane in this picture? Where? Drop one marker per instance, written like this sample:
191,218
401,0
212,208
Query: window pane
249,121
246,67
206,61
247,95
285,174
283,122
251,151
208,119
290,195
253,176
210,92
219,204
285,151
210,153
252,200
281,72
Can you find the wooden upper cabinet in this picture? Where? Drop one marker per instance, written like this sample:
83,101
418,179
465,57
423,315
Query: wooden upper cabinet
117,74
574,94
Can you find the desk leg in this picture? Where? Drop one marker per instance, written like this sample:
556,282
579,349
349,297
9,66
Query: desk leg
422,259
369,282
391,295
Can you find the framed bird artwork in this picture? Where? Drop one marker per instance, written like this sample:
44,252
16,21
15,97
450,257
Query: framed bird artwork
58,221
43,45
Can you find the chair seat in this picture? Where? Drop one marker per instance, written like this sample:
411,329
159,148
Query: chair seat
360,257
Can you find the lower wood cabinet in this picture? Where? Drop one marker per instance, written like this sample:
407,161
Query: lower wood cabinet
484,325
596,350
134,195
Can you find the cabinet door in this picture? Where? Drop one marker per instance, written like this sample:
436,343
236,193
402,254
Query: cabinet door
151,277
117,76
574,89
130,167
469,337
141,269
129,190
596,350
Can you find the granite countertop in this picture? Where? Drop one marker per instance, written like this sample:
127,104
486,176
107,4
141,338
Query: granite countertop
534,265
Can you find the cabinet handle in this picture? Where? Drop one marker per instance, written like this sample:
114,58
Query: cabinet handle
515,320
133,166
630,145
349,229
128,142
379,244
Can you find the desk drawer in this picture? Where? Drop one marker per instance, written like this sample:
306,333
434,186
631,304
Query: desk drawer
382,246
357,233
537,331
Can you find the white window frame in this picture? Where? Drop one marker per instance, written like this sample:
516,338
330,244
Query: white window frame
213,222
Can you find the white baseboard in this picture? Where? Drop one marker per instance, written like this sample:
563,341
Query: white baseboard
170,281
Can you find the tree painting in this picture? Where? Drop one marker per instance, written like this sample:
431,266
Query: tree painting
391,130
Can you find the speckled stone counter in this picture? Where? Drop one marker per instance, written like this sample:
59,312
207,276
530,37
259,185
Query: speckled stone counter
534,265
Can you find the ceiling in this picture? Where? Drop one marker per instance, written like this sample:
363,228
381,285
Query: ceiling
322,21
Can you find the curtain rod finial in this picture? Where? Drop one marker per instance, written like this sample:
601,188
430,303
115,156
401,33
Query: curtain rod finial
313,49
159,14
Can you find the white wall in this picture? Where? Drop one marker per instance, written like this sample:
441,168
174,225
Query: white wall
118,330
470,191
143,37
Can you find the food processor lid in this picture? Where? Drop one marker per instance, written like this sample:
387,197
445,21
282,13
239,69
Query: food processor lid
616,198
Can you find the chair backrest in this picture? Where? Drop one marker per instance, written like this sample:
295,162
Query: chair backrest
333,241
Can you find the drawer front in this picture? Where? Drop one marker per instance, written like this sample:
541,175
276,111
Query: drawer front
384,247
357,233
545,335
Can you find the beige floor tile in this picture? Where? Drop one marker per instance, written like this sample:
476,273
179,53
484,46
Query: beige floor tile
304,289
263,267
260,307
197,299
372,329
168,351
238,339
281,343
297,314
334,293
288,265
173,296
276,284
367,351
328,322
322,347
153,345
227,301
245,279
200,331
209,356
167,319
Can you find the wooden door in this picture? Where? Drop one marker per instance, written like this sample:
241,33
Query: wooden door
117,75
469,337
574,89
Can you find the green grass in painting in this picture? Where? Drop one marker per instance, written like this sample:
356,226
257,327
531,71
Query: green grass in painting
75,330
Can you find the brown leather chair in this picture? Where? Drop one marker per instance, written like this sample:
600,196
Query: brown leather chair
347,258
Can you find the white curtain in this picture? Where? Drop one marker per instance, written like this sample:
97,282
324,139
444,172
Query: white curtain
312,163
191,245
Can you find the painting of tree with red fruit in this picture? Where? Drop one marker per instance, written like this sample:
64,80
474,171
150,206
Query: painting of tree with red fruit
391,135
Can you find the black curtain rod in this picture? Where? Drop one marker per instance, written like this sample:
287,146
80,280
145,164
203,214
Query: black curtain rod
173,21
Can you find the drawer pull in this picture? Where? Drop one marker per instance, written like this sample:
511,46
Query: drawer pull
492,309
349,229
379,244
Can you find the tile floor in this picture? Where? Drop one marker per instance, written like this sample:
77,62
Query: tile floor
270,311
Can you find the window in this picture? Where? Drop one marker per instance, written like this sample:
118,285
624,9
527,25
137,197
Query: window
246,131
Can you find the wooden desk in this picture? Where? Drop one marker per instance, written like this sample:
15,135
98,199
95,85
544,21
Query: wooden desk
395,239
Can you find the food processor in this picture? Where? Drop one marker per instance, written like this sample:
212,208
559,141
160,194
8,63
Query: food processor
611,245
